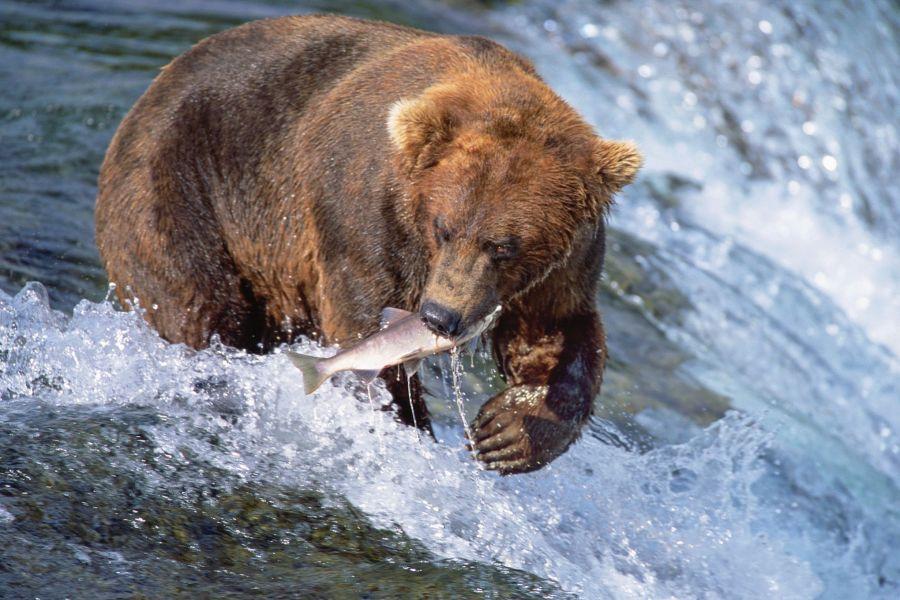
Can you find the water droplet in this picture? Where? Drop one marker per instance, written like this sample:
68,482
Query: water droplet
686,33
754,77
624,102
809,128
645,71
550,25
610,32
765,27
589,30
804,162
829,162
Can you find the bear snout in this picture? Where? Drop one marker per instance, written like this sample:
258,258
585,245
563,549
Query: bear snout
443,321
461,290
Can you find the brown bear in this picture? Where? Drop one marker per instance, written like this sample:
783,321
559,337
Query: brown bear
298,175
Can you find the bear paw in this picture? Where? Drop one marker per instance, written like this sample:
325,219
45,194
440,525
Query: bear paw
516,432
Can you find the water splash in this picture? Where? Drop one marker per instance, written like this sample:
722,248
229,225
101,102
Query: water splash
712,516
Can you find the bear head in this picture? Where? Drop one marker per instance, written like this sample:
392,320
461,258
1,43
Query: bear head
500,177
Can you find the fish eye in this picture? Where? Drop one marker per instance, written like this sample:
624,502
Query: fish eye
441,233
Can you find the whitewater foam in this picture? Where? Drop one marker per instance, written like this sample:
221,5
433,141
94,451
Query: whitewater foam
681,520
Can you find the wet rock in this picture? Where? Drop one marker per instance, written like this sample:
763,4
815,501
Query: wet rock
645,371
95,505
668,189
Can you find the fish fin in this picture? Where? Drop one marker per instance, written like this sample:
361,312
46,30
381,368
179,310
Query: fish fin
389,316
367,375
412,366
309,367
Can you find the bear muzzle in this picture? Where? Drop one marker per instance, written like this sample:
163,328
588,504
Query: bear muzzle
444,321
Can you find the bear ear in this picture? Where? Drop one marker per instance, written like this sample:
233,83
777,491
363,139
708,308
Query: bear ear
616,163
417,128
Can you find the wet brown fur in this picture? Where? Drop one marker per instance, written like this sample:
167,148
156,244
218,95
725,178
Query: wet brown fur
288,177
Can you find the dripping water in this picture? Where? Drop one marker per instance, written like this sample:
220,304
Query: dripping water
456,371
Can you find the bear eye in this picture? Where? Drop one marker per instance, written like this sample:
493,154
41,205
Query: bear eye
504,250
440,230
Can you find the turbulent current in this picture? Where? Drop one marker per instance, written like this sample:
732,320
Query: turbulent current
747,440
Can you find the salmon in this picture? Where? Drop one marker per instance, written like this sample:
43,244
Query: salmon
404,339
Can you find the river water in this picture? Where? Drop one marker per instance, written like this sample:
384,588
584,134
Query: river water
747,440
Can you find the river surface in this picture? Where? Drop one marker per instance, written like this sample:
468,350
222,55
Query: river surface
747,440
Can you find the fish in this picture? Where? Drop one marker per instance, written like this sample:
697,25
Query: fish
403,339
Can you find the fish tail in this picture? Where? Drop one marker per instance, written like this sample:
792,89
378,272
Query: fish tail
313,377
